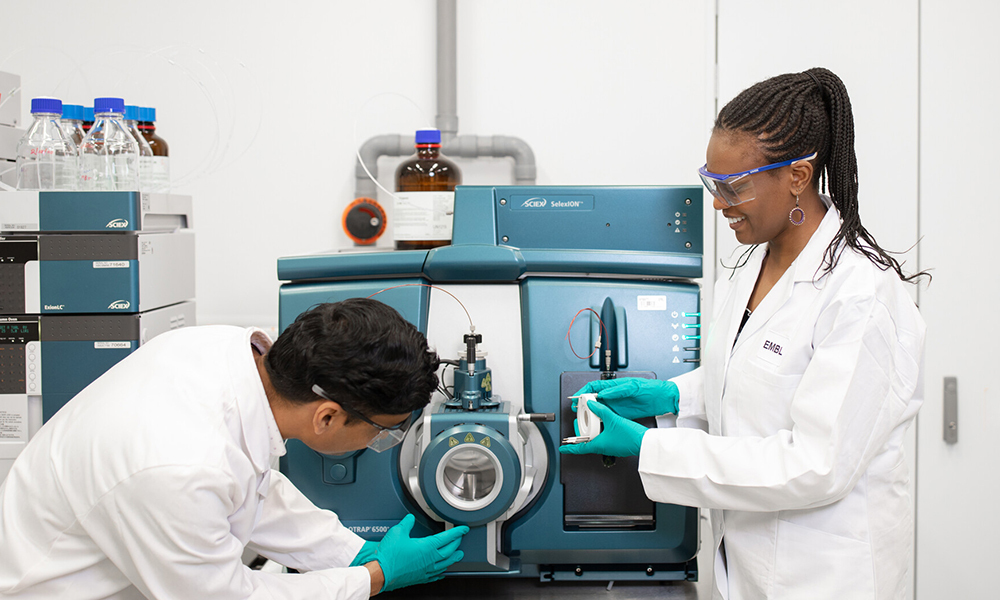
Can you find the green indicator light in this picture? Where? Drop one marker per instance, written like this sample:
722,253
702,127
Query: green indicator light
692,314
692,326
692,337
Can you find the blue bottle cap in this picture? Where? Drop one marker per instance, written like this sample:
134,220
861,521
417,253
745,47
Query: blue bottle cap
131,113
88,114
46,105
72,112
109,105
150,114
428,136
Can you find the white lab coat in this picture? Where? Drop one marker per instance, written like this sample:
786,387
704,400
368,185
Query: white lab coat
802,463
154,479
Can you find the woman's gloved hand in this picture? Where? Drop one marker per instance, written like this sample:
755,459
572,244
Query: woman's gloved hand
407,561
634,397
620,437
366,554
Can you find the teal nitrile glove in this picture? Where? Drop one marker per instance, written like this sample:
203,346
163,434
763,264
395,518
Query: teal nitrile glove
366,554
408,561
634,397
620,437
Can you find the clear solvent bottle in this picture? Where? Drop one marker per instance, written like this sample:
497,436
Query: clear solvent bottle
72,123
109,155
46,156
146,166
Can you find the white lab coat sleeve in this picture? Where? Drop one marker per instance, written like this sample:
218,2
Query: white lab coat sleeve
166,528
293,532
691,400
856,389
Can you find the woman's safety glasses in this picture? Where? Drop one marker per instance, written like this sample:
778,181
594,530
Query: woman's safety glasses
386,438
737,188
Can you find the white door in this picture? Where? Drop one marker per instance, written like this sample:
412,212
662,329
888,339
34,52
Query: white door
958,484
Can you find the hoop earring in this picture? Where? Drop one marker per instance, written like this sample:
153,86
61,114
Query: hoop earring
801,215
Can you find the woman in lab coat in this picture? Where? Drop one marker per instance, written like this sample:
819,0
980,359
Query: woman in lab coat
792,429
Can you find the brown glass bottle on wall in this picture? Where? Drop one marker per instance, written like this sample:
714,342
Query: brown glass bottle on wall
425,198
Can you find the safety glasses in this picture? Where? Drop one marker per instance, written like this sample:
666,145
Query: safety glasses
386,438
737,188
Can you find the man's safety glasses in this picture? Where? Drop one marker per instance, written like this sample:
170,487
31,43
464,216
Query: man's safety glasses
386,438
737,188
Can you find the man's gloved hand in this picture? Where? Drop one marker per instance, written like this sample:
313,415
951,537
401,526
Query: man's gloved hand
634,397
408,561
620,437
366,554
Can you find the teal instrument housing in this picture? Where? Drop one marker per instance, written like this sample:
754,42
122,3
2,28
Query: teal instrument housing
458,435
629,254
69,211
475,391
92,273
68,352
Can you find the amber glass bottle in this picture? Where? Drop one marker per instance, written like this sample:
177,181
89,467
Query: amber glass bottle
147,126
425,199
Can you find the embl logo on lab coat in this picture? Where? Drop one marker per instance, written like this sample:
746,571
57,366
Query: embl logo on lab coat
771,351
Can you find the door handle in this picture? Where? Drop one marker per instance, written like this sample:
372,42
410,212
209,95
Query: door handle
951,410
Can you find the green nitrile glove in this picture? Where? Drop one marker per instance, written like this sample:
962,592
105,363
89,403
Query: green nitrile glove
620,437
365,555
634,397
408,561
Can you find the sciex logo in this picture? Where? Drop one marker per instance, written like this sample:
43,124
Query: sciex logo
534,203
117,224
119,305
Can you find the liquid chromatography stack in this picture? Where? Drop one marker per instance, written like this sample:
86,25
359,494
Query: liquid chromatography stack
88,277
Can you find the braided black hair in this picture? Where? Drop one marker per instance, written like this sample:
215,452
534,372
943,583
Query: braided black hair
796,114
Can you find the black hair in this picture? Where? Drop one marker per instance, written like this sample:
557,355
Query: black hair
360,352
796,114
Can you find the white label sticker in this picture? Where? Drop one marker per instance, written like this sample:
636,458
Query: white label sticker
110,264
19,226
13,418
652,302
112,345
772,349
421,216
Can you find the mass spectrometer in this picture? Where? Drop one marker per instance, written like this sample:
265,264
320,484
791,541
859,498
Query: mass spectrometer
543,289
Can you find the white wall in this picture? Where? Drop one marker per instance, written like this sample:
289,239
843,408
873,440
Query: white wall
872,47
264,104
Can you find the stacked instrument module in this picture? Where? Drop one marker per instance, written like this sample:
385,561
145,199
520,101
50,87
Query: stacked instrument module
85,279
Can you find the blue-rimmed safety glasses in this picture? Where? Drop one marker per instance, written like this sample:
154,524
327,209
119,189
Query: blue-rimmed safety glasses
386,438
737,188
